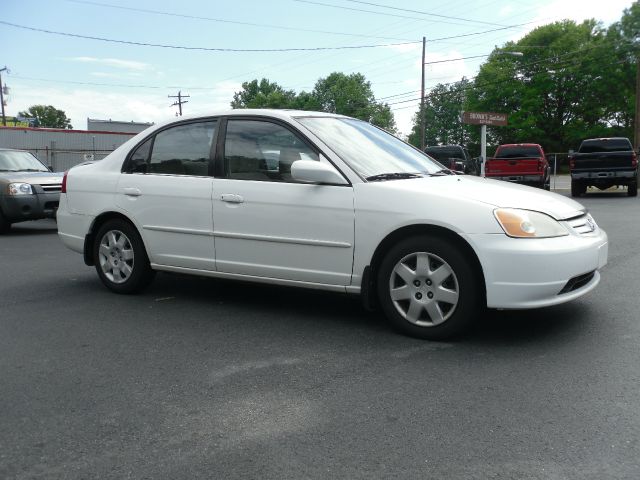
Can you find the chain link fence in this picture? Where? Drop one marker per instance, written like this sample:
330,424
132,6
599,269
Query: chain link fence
61,160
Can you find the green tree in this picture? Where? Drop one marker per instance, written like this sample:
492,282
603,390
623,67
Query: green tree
554,92
262,94
338,93
624,51
47,116
352,95
442,113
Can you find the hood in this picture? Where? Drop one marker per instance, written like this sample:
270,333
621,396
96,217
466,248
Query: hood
496,193
35,178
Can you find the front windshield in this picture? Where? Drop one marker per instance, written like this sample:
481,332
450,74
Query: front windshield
369,150
12,161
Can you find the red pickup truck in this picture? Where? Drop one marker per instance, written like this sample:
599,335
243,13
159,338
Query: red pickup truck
523,163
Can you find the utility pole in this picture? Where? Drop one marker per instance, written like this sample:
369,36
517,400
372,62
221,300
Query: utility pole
422,112
4,119
179,102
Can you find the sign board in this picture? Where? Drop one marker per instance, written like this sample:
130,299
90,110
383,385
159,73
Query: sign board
485,118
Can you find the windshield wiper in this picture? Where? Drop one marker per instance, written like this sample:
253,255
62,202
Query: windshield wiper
393,176
442,172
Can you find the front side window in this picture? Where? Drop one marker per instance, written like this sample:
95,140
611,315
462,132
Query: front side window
368,150
180,150
264,151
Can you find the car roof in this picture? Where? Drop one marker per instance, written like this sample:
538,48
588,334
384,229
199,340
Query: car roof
520,145
453,145
283,114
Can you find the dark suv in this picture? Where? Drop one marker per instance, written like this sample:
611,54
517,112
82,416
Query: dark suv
454,157
28,189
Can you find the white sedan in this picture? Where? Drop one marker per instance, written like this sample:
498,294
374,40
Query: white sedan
329,202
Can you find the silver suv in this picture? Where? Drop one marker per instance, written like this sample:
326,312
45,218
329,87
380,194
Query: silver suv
28,189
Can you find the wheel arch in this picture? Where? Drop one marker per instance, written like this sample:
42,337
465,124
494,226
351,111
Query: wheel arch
95,226
371,271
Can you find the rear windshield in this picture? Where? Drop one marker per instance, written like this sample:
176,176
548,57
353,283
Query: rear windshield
444,153
518,152
605,145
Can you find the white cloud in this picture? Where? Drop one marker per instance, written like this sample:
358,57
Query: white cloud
139,106
576,10
112,62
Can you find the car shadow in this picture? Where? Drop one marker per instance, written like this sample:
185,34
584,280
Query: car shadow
33,227
286,304
512,327
271,300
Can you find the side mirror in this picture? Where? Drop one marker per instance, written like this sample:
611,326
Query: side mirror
310,171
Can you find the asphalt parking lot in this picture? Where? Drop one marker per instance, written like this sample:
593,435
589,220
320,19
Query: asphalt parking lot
198,378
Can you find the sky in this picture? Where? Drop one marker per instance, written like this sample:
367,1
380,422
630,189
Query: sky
132,82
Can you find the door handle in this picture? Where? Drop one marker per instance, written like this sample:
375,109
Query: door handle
132,192
231,198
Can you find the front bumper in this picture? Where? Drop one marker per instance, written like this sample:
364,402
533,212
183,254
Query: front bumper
20,208
531,273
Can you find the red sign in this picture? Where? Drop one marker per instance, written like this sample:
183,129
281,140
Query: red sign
485,118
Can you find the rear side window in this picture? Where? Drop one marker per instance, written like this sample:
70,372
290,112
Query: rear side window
605,145
180,150
518,152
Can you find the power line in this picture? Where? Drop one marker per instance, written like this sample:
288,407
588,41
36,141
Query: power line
421,12
206,49
369,11
221,20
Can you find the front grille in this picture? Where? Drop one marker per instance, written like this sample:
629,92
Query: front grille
577,282
52,188
583,225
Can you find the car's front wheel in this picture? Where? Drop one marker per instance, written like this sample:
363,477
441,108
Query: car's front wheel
120,257
428,289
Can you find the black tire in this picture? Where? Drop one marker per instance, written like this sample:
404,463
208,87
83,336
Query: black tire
632,189
577,189
5,225
120,257
458,276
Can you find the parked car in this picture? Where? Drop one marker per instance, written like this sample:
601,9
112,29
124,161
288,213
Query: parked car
524,163
604,163
28,189
454,157
349,209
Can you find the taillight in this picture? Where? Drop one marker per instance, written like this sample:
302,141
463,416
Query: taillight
572,163
64,183
634,160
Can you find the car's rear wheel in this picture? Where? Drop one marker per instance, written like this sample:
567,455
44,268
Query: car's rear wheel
5,225
632,189
120,257
428,289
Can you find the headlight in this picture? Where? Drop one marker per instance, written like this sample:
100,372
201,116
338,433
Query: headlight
19,189
528,224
